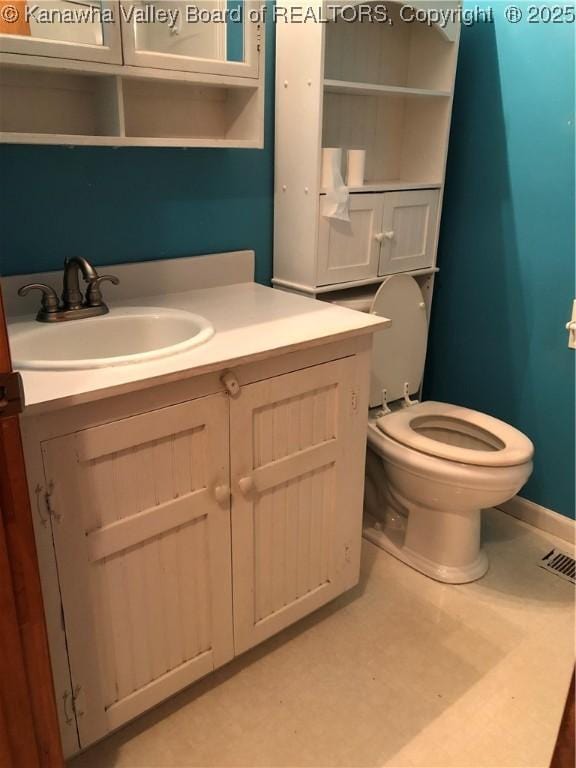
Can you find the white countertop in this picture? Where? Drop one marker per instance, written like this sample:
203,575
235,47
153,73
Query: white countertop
250,321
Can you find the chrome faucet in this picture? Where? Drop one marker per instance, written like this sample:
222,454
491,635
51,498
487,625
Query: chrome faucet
73,305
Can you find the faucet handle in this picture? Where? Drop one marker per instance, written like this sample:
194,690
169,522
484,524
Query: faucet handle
50,301
93,293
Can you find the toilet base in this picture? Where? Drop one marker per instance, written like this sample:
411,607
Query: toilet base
446,574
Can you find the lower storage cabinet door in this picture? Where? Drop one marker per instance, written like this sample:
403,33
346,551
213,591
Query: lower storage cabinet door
349,250
409,227
297,450
141,523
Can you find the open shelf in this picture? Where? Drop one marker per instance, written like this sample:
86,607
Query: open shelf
404,138
171,110
393,185
68,102
398,54
53,102
371,89
66,106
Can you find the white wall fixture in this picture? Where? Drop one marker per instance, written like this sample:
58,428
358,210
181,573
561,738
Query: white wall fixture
145,77
379,87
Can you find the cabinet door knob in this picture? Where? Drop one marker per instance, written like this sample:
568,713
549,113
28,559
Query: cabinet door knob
246,485
231,383
222,494
381,236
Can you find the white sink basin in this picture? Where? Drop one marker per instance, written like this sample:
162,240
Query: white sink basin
124,336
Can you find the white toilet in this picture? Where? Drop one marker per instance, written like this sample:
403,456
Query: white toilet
431,467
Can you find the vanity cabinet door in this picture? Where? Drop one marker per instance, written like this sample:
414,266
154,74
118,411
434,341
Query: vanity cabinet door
349,250
141,525
62,29
409,226
297,451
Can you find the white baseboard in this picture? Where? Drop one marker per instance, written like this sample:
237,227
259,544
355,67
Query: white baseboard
541,517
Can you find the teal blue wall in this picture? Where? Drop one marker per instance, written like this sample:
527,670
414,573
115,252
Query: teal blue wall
506,279
132,204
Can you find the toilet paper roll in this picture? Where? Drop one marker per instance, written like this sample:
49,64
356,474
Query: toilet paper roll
356,165
337,206
331,166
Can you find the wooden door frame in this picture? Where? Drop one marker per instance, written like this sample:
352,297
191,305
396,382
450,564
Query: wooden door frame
29,733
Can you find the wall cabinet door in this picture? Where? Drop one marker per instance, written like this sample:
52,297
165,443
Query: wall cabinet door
141,525
408,235
207,36
349,250
297,499
63,29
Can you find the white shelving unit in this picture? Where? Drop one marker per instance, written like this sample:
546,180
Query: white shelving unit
54,92
387,88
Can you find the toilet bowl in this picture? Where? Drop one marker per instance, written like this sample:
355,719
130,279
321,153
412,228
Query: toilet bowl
431,467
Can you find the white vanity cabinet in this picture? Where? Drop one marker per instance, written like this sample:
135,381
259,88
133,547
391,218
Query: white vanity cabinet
177,526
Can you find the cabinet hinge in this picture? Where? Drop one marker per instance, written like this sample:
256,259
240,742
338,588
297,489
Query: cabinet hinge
49,504
44,503
259,38
68,707
11,394
71,705
354,401
78,700
347,553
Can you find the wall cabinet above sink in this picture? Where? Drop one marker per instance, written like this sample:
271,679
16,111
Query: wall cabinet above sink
133,73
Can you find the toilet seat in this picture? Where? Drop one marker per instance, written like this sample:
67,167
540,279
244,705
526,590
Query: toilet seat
457,434
399,351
